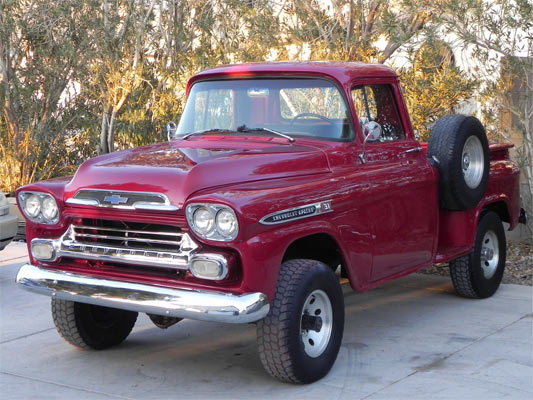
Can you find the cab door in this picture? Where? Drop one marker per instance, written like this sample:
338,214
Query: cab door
401,184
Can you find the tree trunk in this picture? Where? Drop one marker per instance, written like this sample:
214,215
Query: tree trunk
111,131
527,198
103,149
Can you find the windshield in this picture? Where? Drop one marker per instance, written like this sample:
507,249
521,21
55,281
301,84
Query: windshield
300,107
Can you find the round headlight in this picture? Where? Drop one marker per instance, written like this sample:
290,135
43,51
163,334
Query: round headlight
226,222
49,208
203,220
32,206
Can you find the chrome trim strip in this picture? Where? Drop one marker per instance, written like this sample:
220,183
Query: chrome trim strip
413,150
170,302
154,207
296,213
140,205
82,202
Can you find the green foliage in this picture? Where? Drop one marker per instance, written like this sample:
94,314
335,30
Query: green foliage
89,76
433,86
42,52
498,34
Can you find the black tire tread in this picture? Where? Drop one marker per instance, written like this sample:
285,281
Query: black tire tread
460,273
64,314
272,343
65,322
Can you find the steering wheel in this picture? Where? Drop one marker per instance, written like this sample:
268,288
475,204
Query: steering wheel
308,114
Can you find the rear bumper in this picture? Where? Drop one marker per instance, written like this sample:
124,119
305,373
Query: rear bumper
181,303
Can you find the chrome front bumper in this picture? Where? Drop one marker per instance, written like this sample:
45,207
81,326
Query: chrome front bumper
181,303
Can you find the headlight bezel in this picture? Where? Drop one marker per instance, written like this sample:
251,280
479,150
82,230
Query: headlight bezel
39,217
214,233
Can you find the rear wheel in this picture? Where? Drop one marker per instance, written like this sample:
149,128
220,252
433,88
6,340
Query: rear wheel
300,337
479,274
91,327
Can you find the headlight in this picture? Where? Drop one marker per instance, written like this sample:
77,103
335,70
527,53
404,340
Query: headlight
39,207
226,222
32,206
49,208
203,220
212,221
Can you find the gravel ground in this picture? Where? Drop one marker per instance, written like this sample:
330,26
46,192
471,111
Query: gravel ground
518,266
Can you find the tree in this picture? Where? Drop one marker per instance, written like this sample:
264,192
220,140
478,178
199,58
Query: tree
149,50
123,39
362,30
499,36
43,50
433,86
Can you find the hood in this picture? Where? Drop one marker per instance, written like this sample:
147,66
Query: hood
181,168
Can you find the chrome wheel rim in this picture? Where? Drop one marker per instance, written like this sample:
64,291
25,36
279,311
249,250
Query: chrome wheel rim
472,162
317,312
490,254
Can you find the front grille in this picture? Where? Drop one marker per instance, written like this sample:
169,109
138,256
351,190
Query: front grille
135,243
130,235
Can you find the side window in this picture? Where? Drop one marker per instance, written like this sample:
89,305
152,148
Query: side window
376,103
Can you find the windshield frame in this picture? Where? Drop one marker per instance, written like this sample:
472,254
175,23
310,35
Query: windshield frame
337,85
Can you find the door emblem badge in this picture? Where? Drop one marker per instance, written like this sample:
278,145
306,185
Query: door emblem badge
291,214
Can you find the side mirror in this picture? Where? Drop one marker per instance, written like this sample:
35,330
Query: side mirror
171,130
372,131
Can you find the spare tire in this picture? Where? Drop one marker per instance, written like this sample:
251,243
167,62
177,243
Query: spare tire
459,148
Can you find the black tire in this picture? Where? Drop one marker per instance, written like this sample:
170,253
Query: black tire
91,327
445,151
471,274
280,335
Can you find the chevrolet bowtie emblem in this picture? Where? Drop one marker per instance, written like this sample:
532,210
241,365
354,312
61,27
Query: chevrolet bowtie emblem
115,199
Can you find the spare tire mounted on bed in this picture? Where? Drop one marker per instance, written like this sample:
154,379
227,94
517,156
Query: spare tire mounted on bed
459,148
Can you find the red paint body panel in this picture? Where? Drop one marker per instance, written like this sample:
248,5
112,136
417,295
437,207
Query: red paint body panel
386,219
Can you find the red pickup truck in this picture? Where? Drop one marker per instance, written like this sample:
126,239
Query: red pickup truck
280,180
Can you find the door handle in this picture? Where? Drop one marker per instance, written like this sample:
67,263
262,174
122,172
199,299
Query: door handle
413,150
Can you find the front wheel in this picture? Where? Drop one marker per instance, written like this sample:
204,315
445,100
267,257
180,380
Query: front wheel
300,337
479,274
91,327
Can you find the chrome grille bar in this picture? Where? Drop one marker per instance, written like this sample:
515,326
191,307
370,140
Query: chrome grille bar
128,234
127,238
124,255
102,228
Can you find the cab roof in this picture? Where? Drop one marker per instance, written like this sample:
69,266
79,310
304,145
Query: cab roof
342,72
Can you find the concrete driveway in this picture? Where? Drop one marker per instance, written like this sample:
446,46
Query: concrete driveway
412,338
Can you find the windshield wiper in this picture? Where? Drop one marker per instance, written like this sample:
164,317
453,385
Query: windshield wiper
244,128
205,131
